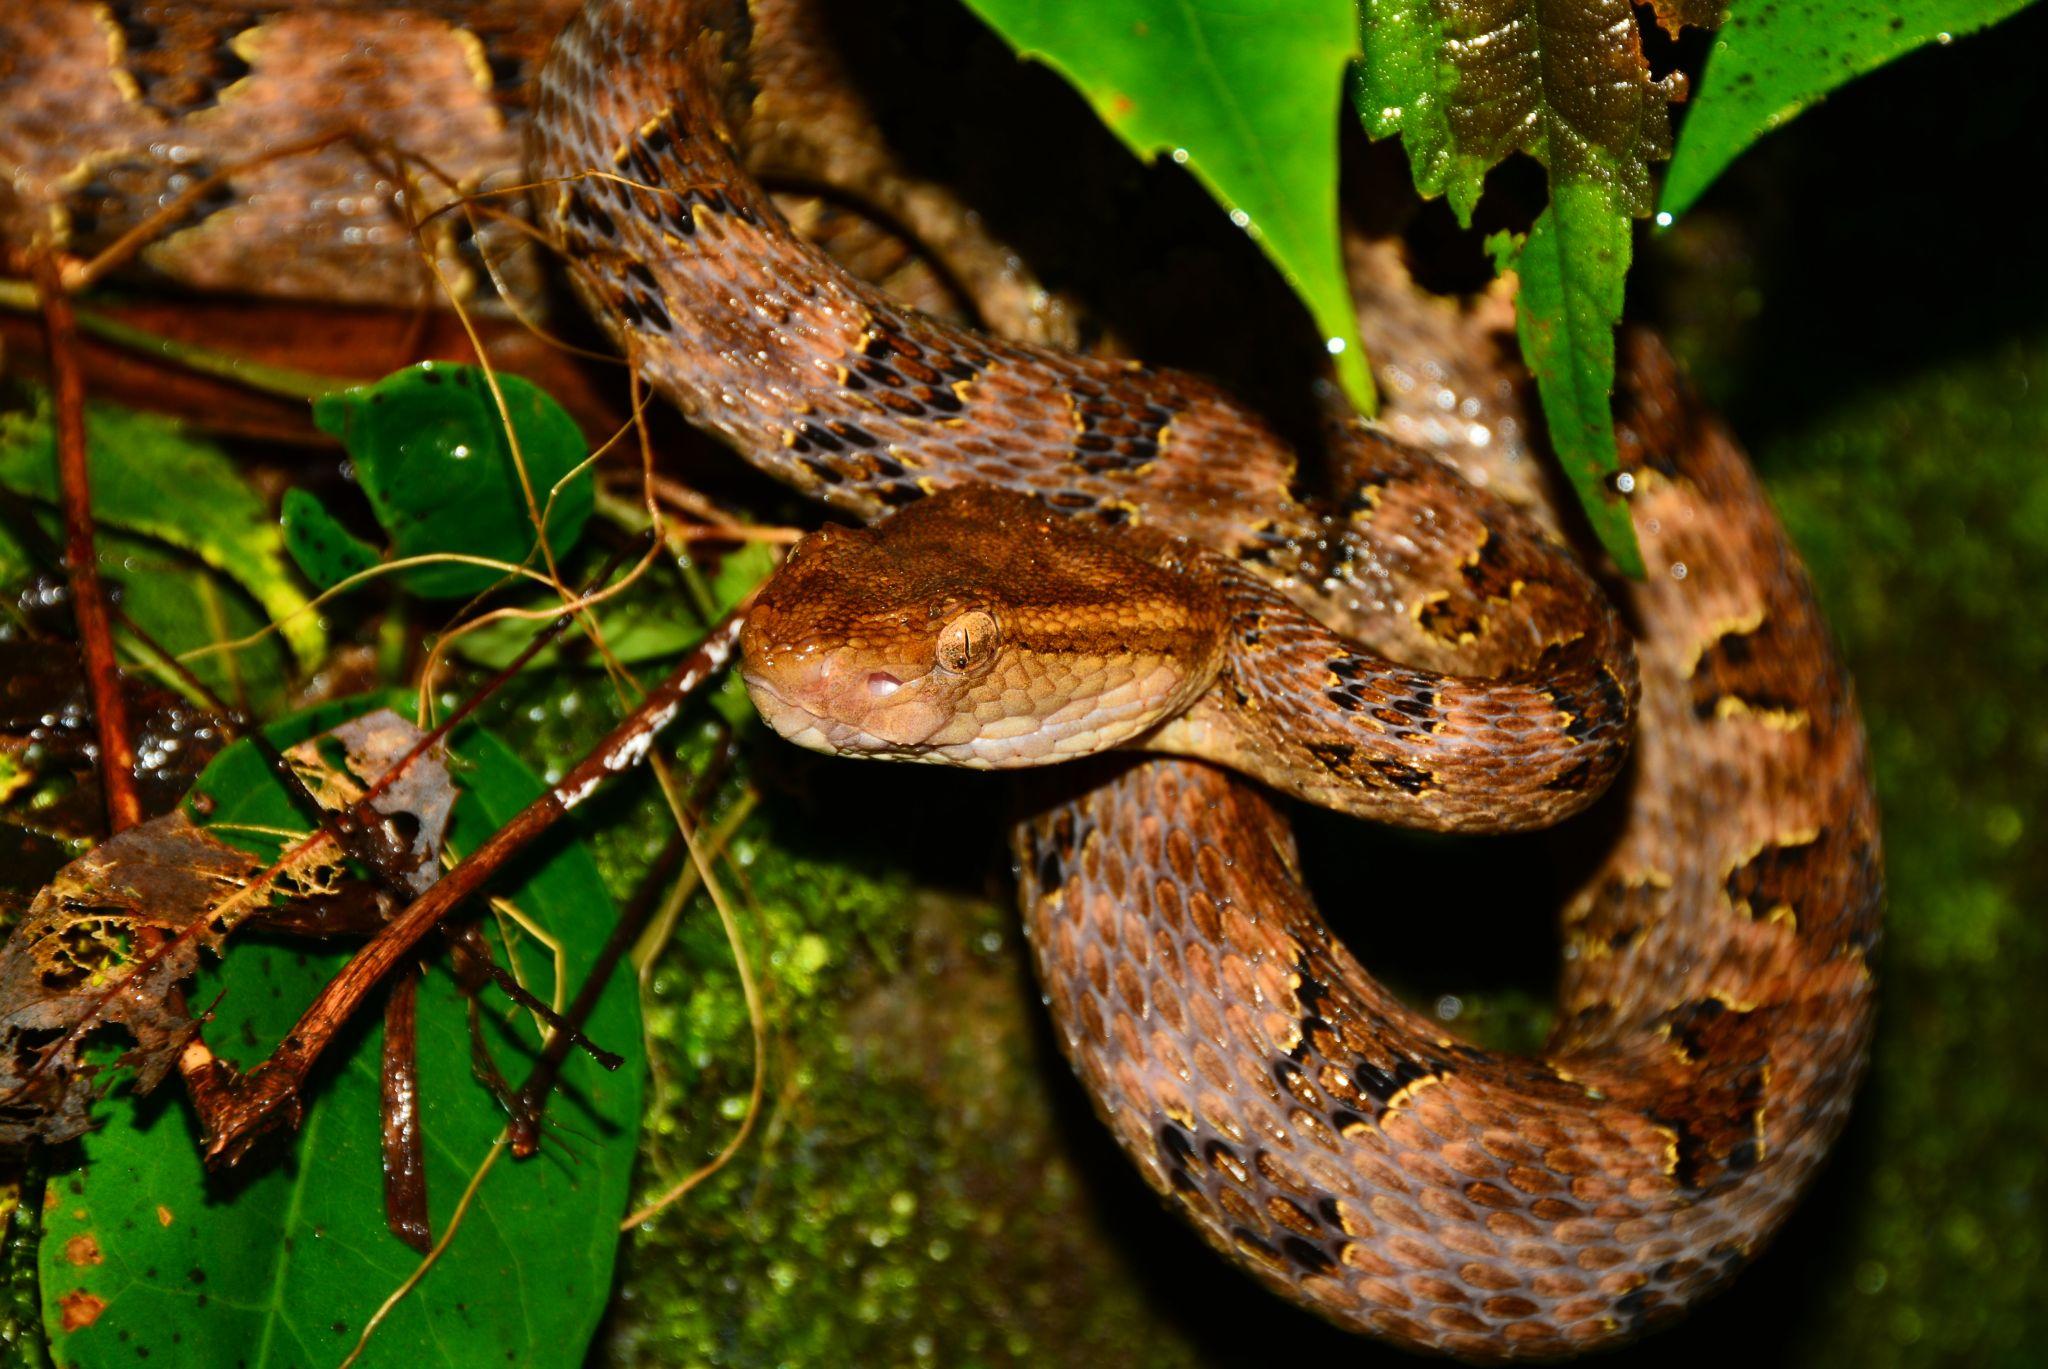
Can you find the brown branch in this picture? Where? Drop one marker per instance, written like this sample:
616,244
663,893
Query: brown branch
270,1095
405,1158
81,559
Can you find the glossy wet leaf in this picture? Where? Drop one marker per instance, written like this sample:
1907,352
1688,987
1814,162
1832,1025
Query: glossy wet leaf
284,1265
1245,94
184,605
431,452
151,477
1773,58
1572,266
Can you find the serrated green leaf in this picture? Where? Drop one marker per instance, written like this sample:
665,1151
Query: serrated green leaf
431,452
1466,83
1243,94
284,1265
1572,267
151,477
1773,59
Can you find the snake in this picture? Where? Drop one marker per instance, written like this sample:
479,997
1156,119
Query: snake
1418,646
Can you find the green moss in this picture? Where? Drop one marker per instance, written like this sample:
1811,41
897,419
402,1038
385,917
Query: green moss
1923,509
906,1197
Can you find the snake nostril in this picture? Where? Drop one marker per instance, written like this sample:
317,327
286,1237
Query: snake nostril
882,684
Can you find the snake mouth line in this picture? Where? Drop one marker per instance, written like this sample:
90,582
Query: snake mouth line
814,731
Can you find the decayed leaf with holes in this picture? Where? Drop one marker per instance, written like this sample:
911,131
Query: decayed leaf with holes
70,971
71,975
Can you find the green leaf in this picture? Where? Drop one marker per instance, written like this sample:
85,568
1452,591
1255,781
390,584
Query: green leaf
183,605
150,477
1572,269
1773,59
284,1265
326,552
434,459
1241,92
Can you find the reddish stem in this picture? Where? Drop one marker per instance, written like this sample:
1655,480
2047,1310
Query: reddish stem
81,560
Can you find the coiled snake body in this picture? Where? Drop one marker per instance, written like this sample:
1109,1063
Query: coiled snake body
1715,993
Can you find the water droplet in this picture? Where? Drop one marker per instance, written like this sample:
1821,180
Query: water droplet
1944,38
1678,570
1180,156
1240,218
1625,482
1334,345
1664,219
1448,1007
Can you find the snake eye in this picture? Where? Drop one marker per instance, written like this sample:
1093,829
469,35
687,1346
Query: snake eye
968,642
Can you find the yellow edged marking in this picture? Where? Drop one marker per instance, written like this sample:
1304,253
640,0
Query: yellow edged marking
1726,627
1407,1093
1777,719
477,59
117,56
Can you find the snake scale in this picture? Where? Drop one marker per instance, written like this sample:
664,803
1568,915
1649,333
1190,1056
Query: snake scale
1715,994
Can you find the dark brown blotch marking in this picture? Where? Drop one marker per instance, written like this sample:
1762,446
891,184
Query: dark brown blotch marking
122,192
181,59
1336,757
1715,1109
1399,775
1602,707
1748,667
1308,1256
1114,438
1451,619
1489,571
1778,877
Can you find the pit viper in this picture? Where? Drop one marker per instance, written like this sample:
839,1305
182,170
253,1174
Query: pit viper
1350,1153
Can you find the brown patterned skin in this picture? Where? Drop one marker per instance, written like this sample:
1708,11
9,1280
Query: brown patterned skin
1715,990
1348,1152
1716,993
110,108
978,628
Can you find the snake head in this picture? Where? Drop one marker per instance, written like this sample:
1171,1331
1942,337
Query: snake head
975,628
